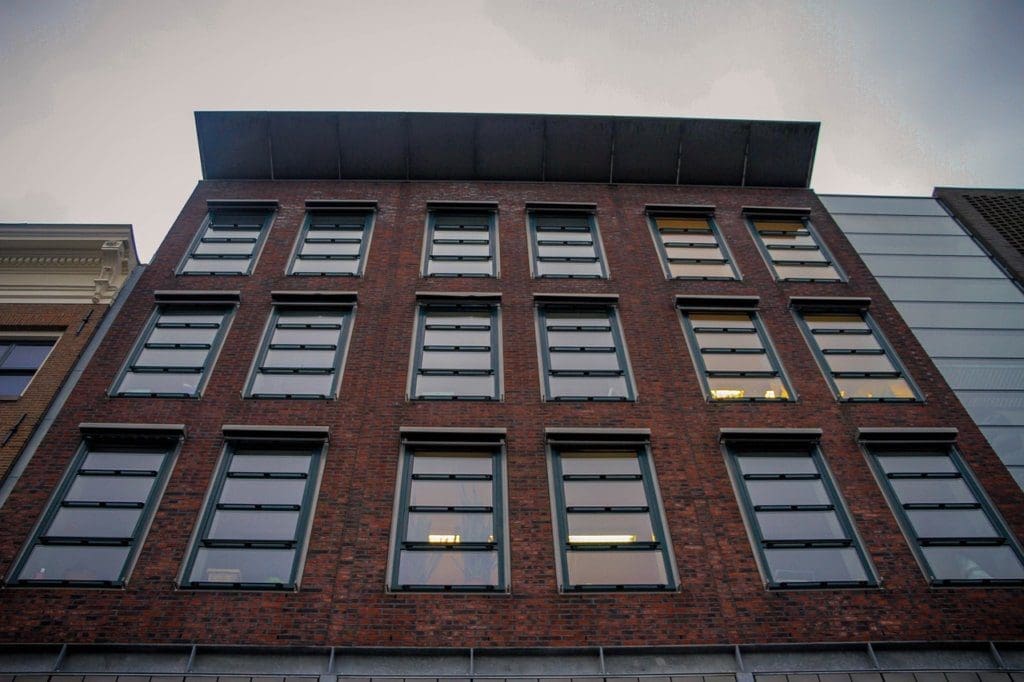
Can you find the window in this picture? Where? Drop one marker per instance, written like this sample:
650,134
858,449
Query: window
176,351
566,244
582,352
461,244
691,246
253,531
955,532
610,531
800,532
229,240
858,362
19,361
303,349
449,532
97,519
793,249
332,241
731,350
456,354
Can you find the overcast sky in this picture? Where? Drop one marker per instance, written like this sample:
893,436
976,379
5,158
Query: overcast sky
96,98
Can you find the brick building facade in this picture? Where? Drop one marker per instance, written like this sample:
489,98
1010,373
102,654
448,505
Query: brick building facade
716,587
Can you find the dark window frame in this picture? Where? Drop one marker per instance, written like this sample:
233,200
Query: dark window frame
454,306
905,448
610,308
449,442
885,348
437,213
156,442
720,245
240,208
347,313
557,448
535,241
778,447
767,349
365,236
227,309
753,217
316,449
14,341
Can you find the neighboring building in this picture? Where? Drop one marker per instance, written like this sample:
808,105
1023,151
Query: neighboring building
966,310
448,396
56,284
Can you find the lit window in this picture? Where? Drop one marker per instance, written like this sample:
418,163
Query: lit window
461,244
566,244
175,352
858,362
691,247
98,519
793,249
302,352
801,532
610,528
456,355
19,361
253,531
228,241
956,534
449,534
332,242
733,355
583,354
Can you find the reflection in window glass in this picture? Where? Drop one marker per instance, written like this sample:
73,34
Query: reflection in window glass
227,243
583,354
461,244
19,361
793,249
332,243
566,244
691,247
456,355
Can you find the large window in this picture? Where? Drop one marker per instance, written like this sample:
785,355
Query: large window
449,531
461,243
691,246
229,240
731,351
96,521
792,248
333,241
176,351
582,352
853,354
253,531
302,351
800,531
20,359
956,534
456,355
566,244
610,530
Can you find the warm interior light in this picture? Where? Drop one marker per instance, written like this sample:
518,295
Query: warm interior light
725,393
601,539
770,394
444,539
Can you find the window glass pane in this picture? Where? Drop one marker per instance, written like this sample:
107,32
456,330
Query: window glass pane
736,388
602,387
443,246
606,529
163,382
951,523
457,337
787,492
124,461
253,525
230,248
635,567
449,567
315,267
232,566
24,356
449,527
737,362
846,342
110,489
584,360
460,385
791,255
949,266
803,525
578,250
292,384
435,359
874,388
262,491
561,220
777,465
14,385
919,464
601,463
701,270
455,464
712,340
931,491
575,339
188,335
835,321
468,317
605,494
94,522
450,493
330,248
692,252
300,359
681,223
171,357
574,268
232,266
252,463
467,267
583,318
705,237
306,336
789,240
859,363
74,563
816,564
974,563
826,273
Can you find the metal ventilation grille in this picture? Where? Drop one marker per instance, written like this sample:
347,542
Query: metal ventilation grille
1004,212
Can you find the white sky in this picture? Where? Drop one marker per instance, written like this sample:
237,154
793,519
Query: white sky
96,98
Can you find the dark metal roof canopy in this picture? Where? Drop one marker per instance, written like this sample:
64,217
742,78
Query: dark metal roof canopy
262,145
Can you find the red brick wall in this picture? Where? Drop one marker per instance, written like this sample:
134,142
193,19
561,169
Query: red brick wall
63,321
343,601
